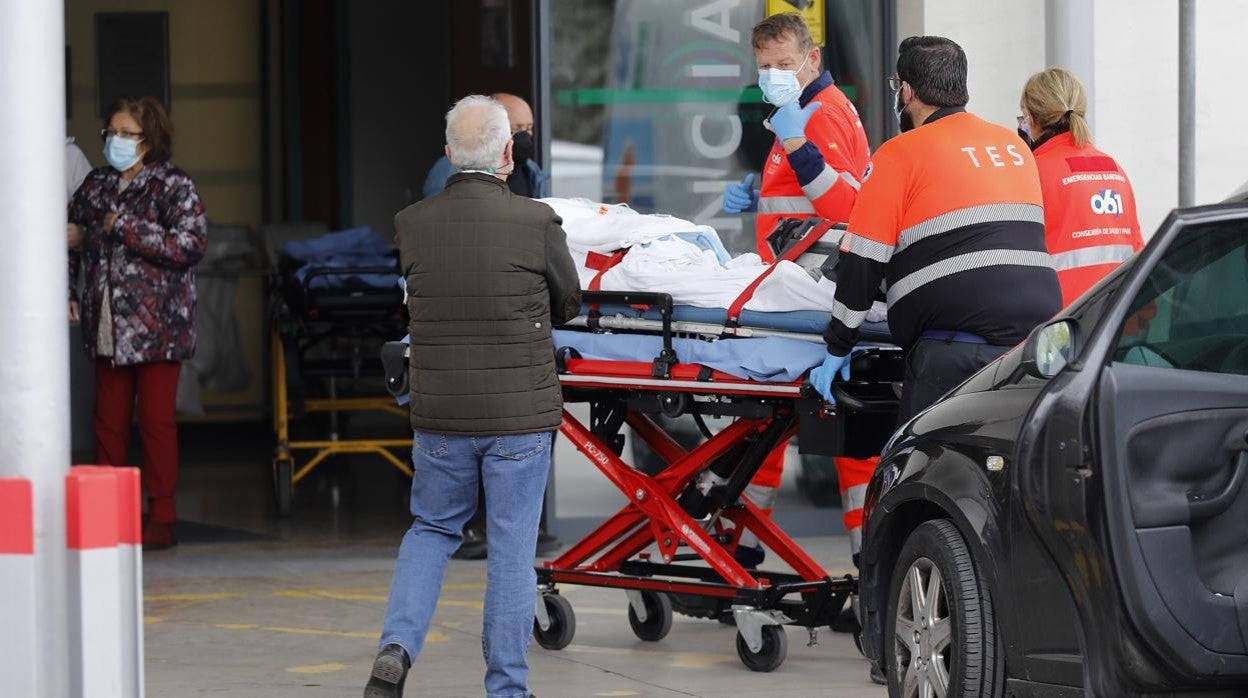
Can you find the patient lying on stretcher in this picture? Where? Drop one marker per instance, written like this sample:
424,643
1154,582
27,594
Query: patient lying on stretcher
619,249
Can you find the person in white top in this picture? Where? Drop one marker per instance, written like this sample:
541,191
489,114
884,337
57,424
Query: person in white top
77,167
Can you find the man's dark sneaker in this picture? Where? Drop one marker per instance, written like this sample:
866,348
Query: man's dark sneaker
389,673
474,546
877,676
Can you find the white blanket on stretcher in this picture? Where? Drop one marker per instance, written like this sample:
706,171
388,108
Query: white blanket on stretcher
671,255
597,227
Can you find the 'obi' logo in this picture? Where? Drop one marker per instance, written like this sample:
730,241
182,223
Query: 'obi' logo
1107,202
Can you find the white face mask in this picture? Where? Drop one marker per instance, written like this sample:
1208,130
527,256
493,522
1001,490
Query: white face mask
781,87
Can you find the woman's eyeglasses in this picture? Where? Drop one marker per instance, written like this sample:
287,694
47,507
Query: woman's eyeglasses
128,135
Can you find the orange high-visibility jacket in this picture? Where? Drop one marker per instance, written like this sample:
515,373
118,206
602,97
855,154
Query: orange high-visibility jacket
1090,220
823,176
952,220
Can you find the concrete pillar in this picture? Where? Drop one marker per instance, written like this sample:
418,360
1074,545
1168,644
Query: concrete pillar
34,373
1069,44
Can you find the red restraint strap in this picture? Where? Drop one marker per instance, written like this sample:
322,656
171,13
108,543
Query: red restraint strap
816,233
602,263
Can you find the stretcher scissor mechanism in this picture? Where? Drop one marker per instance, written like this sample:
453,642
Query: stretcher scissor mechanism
676,537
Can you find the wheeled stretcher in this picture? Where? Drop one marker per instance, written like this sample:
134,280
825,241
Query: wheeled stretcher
327,322
677,537
680,530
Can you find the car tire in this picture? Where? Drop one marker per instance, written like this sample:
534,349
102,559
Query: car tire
940,626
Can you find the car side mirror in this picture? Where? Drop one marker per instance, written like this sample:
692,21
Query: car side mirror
1049,349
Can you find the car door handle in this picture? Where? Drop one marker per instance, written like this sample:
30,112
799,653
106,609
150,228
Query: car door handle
1201,507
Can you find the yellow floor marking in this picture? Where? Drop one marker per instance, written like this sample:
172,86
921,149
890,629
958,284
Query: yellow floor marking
479,605
329,594
193,597
353,590
433,636
682,660
316,631
589,610
152,620
614,694
364,594
317,668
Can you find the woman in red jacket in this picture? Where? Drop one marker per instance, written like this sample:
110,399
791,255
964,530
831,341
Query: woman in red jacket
143,229
1090,220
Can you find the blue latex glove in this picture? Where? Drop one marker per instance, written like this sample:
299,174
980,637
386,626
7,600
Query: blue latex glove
741,197
790,120
821,377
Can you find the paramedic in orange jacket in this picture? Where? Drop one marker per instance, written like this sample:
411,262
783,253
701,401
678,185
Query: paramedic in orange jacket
815,168
951,219
1090,221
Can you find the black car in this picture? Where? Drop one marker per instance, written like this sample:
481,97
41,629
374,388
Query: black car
1073,518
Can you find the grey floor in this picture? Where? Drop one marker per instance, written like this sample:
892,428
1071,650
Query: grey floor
252,605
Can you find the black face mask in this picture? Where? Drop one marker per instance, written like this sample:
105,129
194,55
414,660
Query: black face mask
904,120
522,148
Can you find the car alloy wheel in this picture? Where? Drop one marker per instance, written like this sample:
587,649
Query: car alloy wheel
923,633
940,633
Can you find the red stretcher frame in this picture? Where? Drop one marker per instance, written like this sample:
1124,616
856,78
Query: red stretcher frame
654,517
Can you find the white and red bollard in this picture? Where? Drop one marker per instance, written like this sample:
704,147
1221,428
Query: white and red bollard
104,541
17,588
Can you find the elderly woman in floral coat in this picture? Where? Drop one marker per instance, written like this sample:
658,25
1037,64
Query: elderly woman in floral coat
142,228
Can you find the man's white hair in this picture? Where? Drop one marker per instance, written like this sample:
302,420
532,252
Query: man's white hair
477,132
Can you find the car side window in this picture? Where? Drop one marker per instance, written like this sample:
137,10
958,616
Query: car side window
1192,312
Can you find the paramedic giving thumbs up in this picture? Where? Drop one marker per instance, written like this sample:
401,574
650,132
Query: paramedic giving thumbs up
817,159
820,153
741,197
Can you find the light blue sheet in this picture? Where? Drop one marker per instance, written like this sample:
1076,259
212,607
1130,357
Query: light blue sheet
707,242
768,359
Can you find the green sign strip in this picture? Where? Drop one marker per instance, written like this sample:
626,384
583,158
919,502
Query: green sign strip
591,96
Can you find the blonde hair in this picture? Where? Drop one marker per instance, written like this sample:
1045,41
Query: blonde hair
1055,100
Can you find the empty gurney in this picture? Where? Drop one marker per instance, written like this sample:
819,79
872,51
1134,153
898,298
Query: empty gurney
335,299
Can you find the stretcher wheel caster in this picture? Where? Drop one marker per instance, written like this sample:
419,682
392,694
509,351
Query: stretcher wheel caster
658,620
283,485
562,623
673,405
771,655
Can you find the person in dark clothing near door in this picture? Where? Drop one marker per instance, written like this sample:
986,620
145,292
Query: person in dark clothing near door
488,274
528,178
951,219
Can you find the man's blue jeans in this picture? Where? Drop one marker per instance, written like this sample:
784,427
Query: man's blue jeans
513,468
